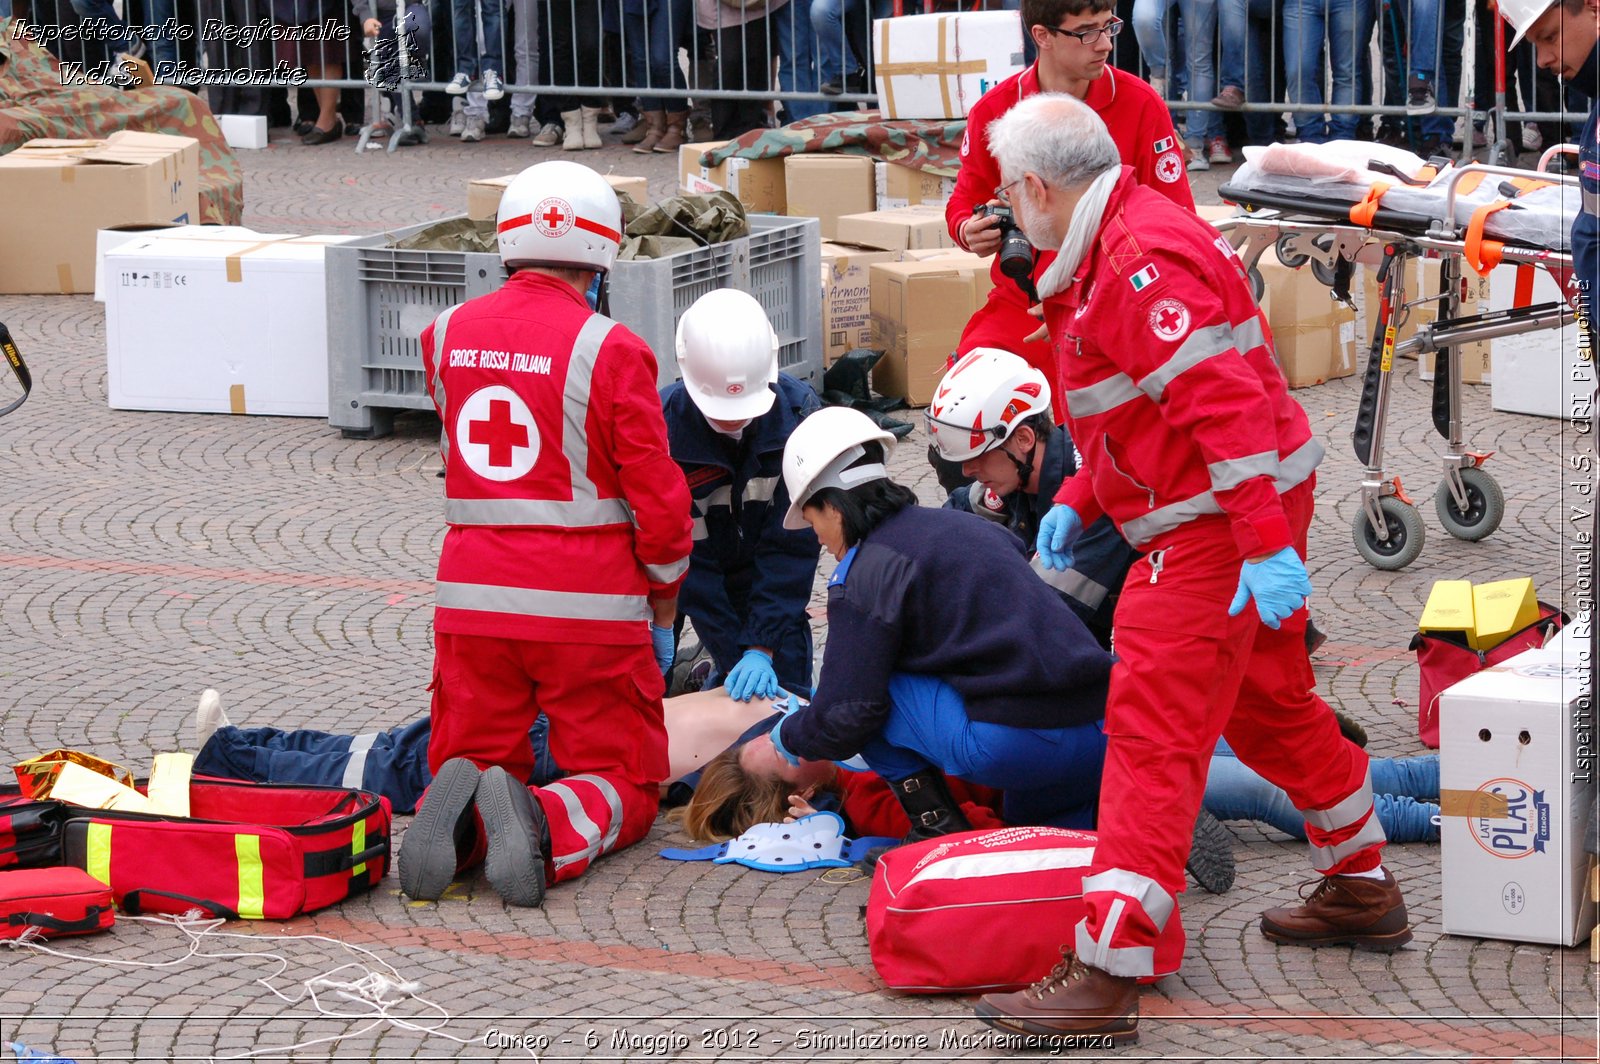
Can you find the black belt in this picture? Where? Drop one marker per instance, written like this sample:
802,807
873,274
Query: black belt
8,347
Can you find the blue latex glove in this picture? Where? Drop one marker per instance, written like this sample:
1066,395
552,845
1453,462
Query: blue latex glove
1279,584
662,642
1058,531
752,676
777,740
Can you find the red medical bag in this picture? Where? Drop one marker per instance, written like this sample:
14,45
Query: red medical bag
1444,660
985,910
30,831
57,901
254,851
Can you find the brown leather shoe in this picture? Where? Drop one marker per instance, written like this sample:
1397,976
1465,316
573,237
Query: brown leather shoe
1074,1007
1368,914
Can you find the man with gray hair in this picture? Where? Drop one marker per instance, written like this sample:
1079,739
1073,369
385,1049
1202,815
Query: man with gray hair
1205,464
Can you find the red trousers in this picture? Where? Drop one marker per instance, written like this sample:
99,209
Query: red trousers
606,733
1185,673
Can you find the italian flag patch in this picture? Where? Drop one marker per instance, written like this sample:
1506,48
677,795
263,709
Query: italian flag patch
1144,278
1164,144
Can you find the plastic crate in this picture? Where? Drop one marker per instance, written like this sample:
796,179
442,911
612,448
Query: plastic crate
381,298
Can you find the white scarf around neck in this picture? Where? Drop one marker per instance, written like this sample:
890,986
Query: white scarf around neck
1081,231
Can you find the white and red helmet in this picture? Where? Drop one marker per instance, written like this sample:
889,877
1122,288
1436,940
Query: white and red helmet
728,353
981,401
559,214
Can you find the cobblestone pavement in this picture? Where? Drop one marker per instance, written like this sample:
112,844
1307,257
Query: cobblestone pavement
147,556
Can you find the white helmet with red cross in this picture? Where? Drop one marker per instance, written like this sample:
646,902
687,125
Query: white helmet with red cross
728,353
559,214
981,400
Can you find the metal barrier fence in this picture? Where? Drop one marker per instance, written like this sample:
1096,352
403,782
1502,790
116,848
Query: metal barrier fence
1329,64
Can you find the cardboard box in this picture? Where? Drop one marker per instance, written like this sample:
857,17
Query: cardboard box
483,195
902,229
847,297
919,310
828,186
1217,212
758,183
938,66
218,326
1542,373
904,186
243,131
1516,768
72,189
1314,336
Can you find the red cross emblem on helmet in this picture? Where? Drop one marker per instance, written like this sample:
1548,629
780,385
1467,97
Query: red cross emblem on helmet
553,217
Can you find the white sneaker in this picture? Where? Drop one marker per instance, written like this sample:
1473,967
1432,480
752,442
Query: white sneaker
1198,160
549,136
521,127
493,87
458,122
458,85
625,124
474,130
1532,139
209,717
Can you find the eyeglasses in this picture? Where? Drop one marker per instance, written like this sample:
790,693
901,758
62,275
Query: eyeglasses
1001,192
1091,36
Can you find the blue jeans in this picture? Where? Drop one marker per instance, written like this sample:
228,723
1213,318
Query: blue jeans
1200,44
1405,795
465,16
797,51
653,36
117,43
827,21
1346,25
1049,775
1426,50
1424,19
1246,30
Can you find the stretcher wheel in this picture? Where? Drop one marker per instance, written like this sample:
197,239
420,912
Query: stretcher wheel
1486,506
1325,273
1292,259
1258,285
1406,535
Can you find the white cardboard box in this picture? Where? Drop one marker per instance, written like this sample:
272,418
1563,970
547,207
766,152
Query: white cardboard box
218,326
938,66
1544,372
243,131
1516,778
106,239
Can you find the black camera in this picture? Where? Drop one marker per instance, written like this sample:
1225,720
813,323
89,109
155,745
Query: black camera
1016,254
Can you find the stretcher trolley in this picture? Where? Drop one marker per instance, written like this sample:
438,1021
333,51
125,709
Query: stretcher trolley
1474,215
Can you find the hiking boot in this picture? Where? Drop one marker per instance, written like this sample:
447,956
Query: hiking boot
1231,98
1074,1002
675,135
514,828
1211,854
1368,914
431,851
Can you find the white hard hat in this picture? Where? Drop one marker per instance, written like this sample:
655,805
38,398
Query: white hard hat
559,214
981,400
1522,14
821,448
729,355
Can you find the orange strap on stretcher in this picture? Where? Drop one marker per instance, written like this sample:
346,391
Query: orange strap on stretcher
1484,255
1364,212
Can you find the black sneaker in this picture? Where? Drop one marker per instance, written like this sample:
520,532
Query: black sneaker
1211,854
856,82
1419,97
442,831
516,831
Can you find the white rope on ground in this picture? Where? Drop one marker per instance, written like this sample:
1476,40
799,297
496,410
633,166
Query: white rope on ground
374,994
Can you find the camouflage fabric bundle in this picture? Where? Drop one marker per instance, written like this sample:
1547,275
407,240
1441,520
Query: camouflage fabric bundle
933,145
34,104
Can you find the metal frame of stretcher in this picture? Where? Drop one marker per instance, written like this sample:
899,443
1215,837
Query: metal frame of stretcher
1388,529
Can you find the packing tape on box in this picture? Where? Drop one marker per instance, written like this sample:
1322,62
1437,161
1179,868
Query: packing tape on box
938,68
236,399
64,277
1471,804
234,269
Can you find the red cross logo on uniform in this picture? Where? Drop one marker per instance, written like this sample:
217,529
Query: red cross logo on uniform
1169,167
501,433
1169,319
553,216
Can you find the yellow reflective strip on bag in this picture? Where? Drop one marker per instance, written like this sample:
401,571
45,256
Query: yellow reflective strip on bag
252,893
97,852
358,842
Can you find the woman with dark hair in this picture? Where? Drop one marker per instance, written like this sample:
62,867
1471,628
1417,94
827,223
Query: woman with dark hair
946,653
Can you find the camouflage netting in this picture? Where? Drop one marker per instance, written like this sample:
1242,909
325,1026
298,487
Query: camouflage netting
34,104
930,144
